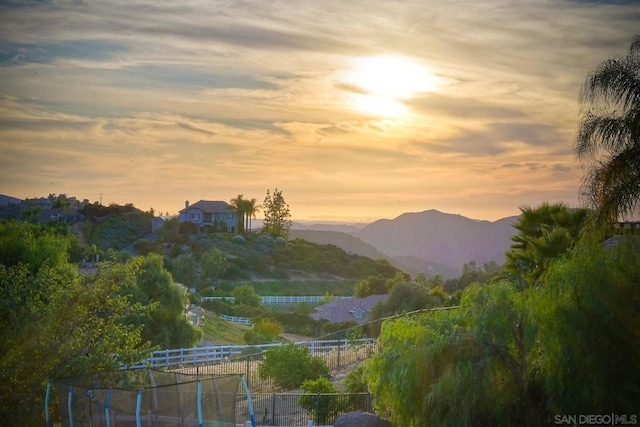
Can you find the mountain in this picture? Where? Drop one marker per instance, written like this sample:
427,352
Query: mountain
344,241
441,238
6,200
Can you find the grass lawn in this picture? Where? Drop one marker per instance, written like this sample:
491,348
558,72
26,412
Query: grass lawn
219,331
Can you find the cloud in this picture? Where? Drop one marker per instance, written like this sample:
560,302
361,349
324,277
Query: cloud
158,102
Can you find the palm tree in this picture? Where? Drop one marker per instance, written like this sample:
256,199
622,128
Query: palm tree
251,209
608,141
239,205
545,233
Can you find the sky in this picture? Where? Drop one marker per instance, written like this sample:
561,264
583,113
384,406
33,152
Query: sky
355,110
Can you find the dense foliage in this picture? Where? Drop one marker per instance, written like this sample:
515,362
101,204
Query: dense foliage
608,142
290,365
56,323
321,409
277,216
519,356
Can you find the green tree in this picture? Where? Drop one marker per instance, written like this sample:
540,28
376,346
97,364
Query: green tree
373,285
277,217
54,323
404,297
290,365
588,318
251,209
246,295
165,323
320,400
63,203
544,234
170,231
264,331
464,366
608,142
213,264
239,206
31,214
184,269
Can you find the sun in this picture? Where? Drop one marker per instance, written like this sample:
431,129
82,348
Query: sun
380,84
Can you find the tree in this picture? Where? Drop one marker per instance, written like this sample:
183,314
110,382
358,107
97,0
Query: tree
246,295
588,318
170,231
165,324
184,269
290,365
608,142
323,408
545,233
64,204
214,265
239,206
54,323
465,366
250,210
373,285
277,217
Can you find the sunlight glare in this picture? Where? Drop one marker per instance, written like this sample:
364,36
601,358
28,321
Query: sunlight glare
382,82
379,106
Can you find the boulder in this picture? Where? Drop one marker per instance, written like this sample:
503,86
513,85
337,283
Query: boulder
360,419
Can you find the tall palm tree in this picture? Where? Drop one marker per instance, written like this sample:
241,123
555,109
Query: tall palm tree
545,233
608,141
239,205
251,209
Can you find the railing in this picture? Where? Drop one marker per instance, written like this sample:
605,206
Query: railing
282,299
289,409
329,349
291,299
239,320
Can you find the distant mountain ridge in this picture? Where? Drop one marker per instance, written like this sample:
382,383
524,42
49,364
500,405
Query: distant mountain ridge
447,239
430,242
5,200
344,241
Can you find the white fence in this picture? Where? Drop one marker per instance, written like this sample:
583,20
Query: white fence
236,319
282,299
219,353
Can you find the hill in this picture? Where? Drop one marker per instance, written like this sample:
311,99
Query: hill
344,241
441,238
6,200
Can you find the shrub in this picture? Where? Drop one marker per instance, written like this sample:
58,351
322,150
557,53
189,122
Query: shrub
289,366
322,408
355,382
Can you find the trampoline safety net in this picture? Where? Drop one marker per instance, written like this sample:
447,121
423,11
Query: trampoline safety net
147,397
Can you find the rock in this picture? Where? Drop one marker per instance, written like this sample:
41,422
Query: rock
360,419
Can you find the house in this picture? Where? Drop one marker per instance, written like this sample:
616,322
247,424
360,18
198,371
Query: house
211,215
158,222
344,310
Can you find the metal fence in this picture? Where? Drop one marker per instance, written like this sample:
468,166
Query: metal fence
296,410
337,349
248,365
282,299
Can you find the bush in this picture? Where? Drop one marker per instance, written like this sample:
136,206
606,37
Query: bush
289,366
321,408
355,382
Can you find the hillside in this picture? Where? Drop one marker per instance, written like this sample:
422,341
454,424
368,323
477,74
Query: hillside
346,242
6,200
436,237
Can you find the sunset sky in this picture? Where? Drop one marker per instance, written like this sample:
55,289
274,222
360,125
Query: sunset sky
356,110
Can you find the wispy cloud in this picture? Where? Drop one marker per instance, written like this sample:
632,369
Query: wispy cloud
155,102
